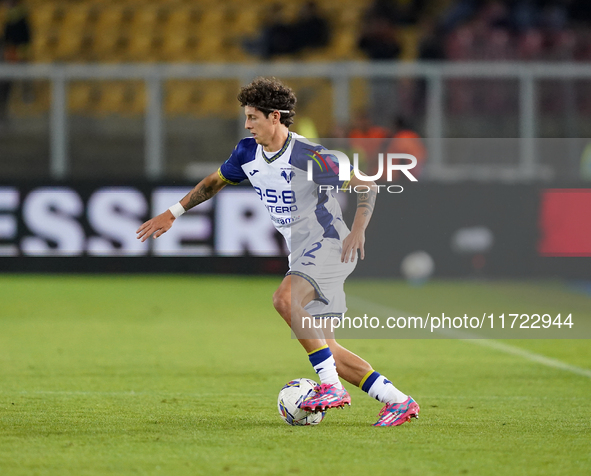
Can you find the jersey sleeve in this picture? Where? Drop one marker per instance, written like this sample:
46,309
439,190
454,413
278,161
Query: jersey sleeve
231,170
325,167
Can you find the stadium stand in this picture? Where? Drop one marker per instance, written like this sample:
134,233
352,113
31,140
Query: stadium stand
146,31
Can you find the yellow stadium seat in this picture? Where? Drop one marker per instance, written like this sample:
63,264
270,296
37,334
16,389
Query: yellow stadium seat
201,98
247,21
42,16
343,46
140,48
45,33
68,46
75,16
212,21
144,19
409,42
44,46
213,102
234,51
178,35
209,48
179,18
188,49
111,98
174,48
107,32
182,98
71,30
124,98
178,30
135,103
80,96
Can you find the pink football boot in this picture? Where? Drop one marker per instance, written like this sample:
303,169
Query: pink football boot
395,414
326,396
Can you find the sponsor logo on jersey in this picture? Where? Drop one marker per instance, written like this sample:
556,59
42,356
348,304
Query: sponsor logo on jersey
253,172
284,221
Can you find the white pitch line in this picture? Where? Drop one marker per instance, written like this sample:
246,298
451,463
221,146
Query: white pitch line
473,339
526,354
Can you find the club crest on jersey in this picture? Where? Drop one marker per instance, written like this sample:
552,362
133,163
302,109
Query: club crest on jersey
288,177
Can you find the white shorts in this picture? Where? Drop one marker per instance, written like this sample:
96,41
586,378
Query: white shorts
320,264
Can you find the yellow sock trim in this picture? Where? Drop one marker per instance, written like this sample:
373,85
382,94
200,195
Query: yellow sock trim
365,378
319,348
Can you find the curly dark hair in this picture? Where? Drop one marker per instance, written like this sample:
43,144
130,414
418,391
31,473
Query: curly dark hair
268,95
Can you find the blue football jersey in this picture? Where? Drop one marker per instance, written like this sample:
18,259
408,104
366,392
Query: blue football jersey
301,212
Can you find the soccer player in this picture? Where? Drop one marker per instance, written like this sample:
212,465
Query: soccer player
322,249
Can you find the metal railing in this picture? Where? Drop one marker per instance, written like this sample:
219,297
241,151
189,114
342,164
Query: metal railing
340,74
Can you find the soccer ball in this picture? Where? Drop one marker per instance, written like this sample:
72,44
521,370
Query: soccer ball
291,397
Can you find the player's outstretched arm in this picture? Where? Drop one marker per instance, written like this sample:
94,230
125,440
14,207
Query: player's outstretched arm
203,191
365,205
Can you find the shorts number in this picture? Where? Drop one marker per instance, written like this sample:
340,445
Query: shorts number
315,247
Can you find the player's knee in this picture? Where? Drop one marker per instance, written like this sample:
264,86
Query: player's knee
282,304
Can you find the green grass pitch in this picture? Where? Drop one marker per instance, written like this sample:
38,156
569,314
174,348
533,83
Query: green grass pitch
174,375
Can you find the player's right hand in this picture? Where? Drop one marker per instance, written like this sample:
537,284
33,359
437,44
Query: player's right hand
156,226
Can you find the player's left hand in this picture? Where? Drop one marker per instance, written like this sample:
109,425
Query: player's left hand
353,242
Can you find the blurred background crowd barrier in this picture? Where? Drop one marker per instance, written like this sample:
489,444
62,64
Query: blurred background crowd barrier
135,130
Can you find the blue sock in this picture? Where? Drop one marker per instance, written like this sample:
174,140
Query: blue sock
325,366
379,387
